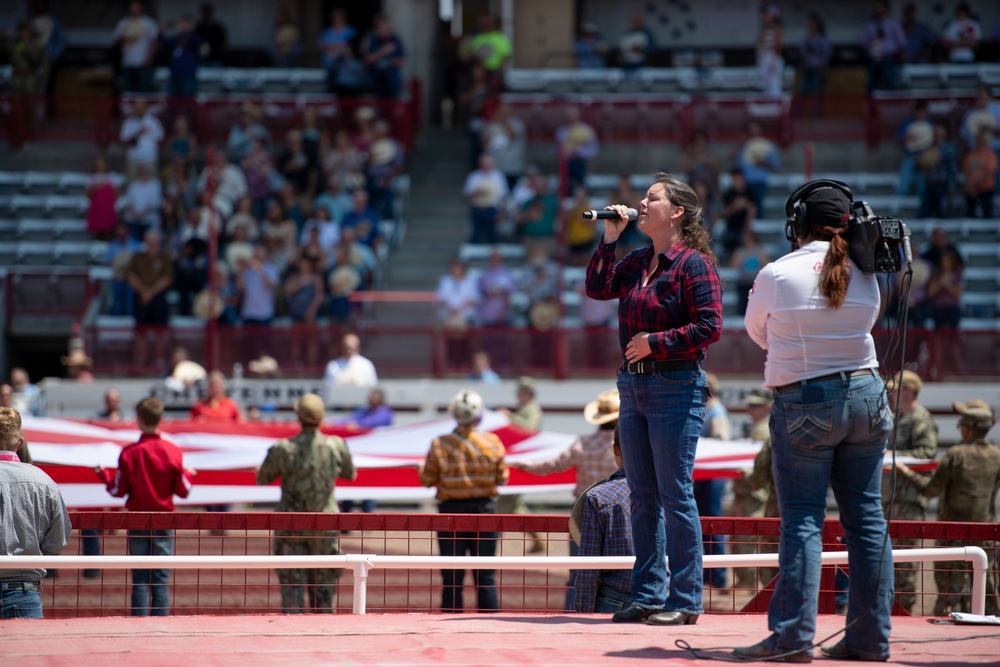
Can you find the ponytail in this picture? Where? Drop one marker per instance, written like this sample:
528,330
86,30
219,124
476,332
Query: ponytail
836,273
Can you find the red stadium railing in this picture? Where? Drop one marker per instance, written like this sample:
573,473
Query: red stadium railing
48,292
228,591
429,351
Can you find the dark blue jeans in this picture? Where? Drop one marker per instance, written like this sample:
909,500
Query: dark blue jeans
150,594
468,544
484,225
20,599
708,495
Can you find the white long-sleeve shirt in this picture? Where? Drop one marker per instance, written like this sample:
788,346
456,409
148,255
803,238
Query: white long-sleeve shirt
146,132
804,336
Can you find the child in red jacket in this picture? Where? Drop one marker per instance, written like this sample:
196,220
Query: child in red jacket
150,473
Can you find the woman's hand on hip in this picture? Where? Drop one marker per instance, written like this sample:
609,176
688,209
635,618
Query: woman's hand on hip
638,348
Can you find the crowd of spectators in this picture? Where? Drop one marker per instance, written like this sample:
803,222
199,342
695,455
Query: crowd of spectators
292,228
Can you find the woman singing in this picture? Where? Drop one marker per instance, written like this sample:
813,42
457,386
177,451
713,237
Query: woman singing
813,311
670,311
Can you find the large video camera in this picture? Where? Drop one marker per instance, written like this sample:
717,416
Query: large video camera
877,245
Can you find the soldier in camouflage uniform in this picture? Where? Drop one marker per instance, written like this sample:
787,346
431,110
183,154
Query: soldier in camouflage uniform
967,479
308,465
916,436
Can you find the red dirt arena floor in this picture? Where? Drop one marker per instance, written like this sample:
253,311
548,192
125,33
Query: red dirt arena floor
439,640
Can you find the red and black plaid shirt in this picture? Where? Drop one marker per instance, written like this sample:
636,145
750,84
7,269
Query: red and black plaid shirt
680,306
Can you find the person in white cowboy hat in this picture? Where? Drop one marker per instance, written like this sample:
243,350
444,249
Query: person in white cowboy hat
77,364
591,455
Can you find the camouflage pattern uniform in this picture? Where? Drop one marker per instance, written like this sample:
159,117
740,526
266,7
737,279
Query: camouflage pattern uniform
308,465
761,482
916,436
967,479
528,417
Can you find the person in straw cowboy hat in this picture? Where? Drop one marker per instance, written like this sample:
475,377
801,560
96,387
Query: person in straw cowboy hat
591,455
77,364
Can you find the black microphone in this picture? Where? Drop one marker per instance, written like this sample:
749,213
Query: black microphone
610,215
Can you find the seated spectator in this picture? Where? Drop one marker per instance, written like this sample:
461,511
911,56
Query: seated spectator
486,191
291,203
496,285
979,171
581,234
337,200
351,368
184,373
749,258
140,206
961,36
256,282
482,370
78,364
385,163
303,292
102,191
383,56
112,410
758,157
243,217
939,166
286,43
119,256
295,166
243,132
141,133
216,406
371,415
343,158
362,219
26,396
590,49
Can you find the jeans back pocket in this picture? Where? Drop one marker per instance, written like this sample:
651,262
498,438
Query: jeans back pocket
808,424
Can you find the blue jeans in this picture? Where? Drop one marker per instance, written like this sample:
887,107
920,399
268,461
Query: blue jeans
708,496
659,423
831,433
150,595
609,600
910,177
20,599
484,225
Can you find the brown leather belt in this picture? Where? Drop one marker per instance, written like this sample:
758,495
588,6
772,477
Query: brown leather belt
842,375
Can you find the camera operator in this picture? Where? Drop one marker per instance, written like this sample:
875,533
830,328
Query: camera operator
813,311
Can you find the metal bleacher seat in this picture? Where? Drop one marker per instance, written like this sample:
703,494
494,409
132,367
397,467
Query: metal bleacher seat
11,182
35,253
982,279
474,253
8,252
985,255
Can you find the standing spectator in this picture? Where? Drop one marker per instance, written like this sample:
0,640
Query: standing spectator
457,296
77,363
309,465
141,133
362,220
536,220
770,64
758,157
939,165
467,466
102,191
476,102
141,203
496,285
940,245
708,493
979,171
590,49
383,56
229,181
884,44
486,191
336,199
701,166
303,292
738,210
150,473
52,38
814,56
961,36
749,258
35,521
137,34
916,435
344,73
580,233
944,293
216,406
920,37
540,282
603,529
491,48
984,115
915,135
295,165
28,63
119,256
183,43
256,282
636,44
350,368
150,274
385,163
242,134
577,143
342,159
181,145
286,43
26,397
260,174
505,139
528,413
213,37
967,480
112,410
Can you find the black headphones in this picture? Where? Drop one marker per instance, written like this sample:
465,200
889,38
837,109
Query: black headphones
797,225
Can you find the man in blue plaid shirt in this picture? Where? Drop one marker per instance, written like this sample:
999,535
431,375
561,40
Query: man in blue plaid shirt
603,513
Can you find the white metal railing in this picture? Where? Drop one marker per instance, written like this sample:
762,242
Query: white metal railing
361,564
